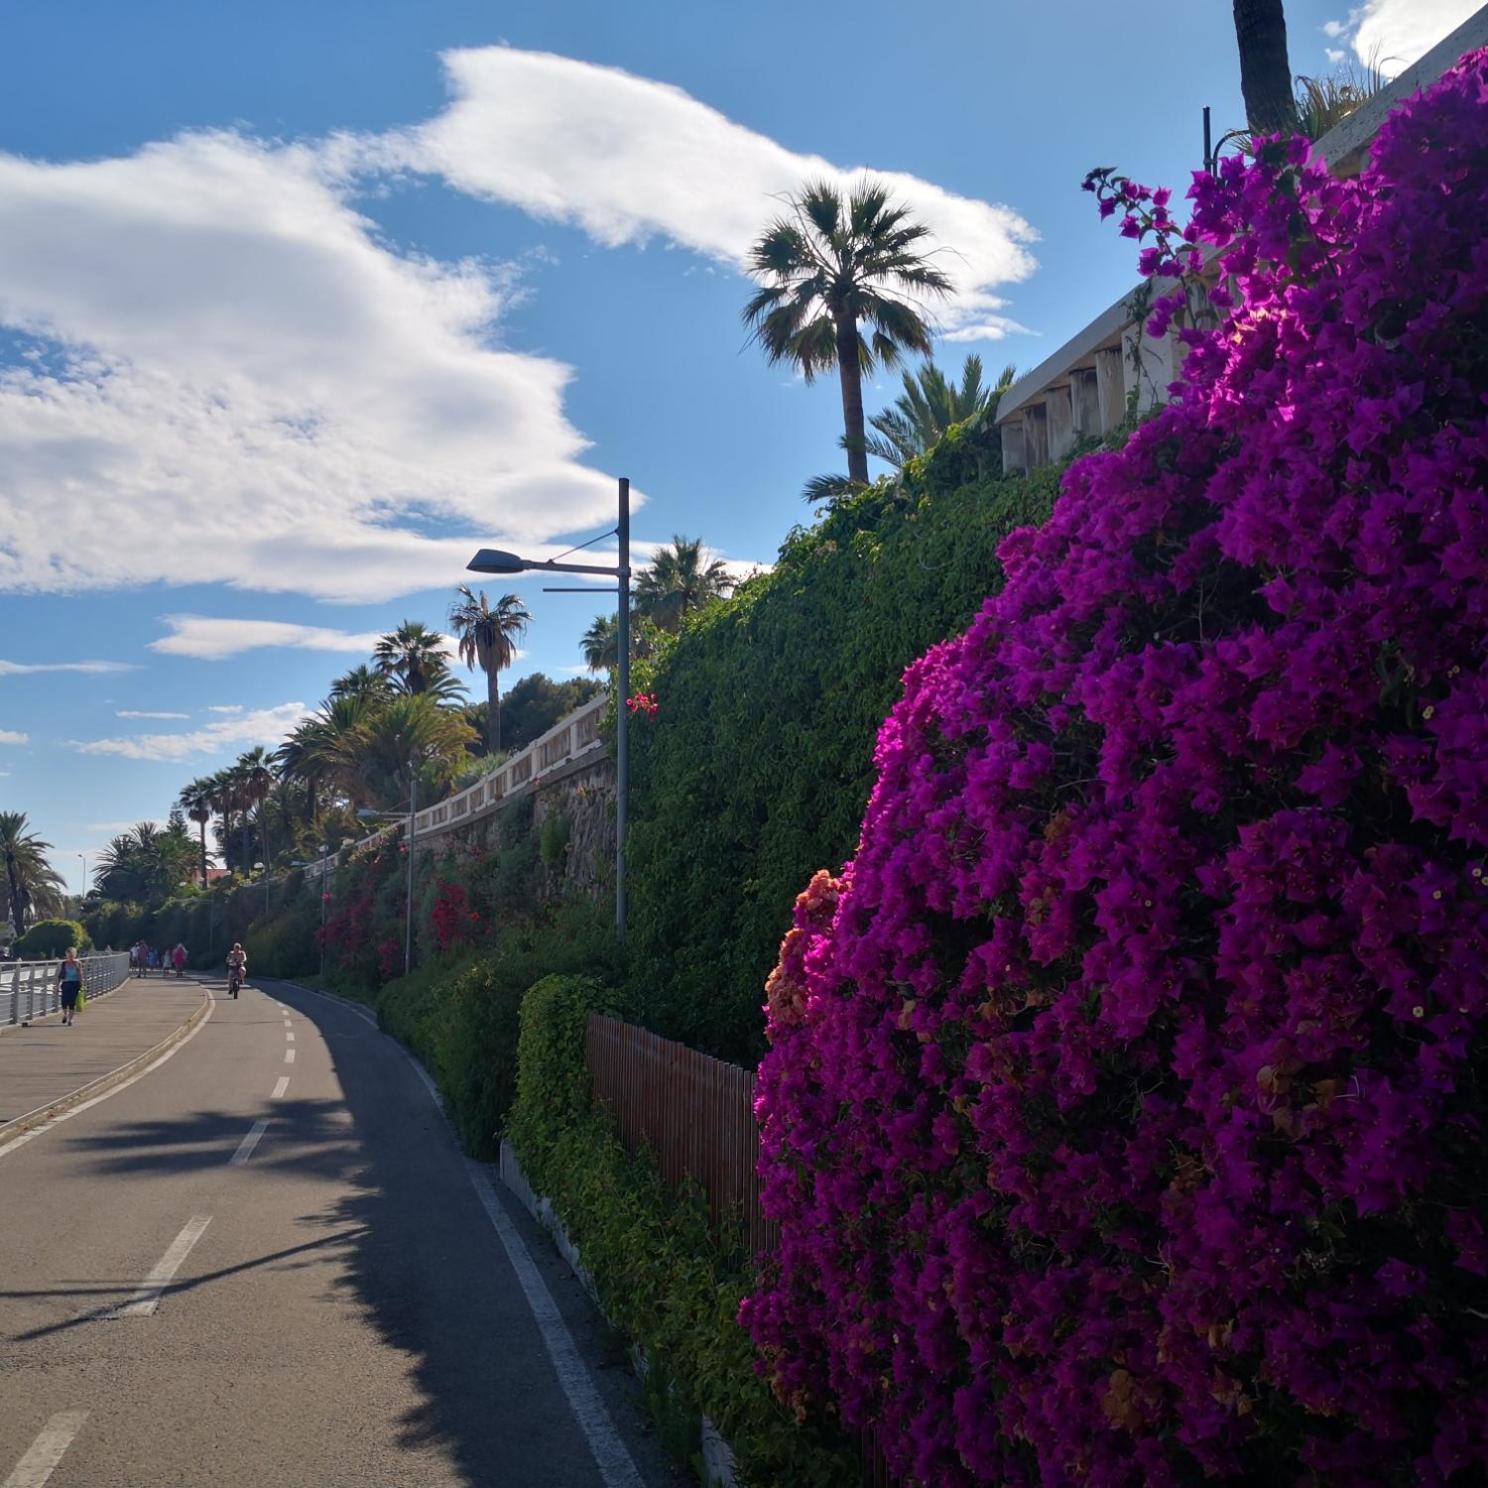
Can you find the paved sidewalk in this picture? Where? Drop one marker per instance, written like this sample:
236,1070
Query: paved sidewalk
47,1062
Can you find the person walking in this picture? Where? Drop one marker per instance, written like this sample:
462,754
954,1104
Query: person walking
137,957
178,958
70,985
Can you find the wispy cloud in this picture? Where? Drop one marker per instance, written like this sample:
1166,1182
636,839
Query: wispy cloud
629,159
256,726
214,639
29,668
145,713
224,707
10,736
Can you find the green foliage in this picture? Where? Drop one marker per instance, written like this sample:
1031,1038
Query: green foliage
284,943
48,938
756,769
552,841
531,706
460,1015
643,1244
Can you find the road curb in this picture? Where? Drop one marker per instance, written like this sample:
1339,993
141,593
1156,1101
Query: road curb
53,1109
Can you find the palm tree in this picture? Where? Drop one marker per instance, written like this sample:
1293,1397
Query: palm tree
374,758
145,864
601,643
678,581
258,780
29,878
929,405
1265,70
488,639
196,800
361,681
826,268
415,657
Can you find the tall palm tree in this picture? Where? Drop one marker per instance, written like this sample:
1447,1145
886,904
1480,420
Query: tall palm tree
488,638
29,878
1265,70
826,268
258,780
601,643
196,800
414,657
679,581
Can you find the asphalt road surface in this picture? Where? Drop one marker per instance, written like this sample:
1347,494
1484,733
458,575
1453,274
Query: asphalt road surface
267,1263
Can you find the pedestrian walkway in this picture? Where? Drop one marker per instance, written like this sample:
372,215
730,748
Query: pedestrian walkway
47,1062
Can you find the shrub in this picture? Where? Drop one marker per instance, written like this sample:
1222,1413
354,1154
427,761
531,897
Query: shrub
552,844
287,943
47,938
756,768
1124,1114
646,1247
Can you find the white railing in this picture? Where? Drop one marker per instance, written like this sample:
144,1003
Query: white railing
1085,389
29,989
569,739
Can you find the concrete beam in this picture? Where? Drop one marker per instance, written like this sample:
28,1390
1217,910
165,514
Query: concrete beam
1059,407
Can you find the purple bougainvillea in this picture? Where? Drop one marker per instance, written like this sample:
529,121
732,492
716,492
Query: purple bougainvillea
1124,1115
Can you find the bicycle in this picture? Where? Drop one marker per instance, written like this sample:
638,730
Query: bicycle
234,981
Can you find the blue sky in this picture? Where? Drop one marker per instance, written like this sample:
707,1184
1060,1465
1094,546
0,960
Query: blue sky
300,303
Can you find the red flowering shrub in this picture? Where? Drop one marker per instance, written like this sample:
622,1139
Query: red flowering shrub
455,920
1124,1112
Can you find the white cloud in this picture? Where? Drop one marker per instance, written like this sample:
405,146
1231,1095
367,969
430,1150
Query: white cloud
213,639
1334,29
1336,57
224,707
1391,34
257,726
226,351
629,159
142,713
30,668
10,736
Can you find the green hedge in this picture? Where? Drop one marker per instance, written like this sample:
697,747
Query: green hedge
460,1015
756,768
665,1279
52,938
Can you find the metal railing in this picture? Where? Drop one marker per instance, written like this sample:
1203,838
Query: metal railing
568,739
29,989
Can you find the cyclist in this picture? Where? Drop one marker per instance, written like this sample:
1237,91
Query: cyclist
237,968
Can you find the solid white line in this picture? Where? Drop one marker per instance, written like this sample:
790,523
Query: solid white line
46,1451
281,1087
289,1056
144,1301
108,1094
614,1462
246,1146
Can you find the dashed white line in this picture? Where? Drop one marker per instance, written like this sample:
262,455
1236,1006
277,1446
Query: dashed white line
290,1035
46,1451
246,1146
289,1056
281,1087
145,1300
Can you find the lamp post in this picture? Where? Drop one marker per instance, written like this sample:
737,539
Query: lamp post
365,815
495,561
83,896
259,868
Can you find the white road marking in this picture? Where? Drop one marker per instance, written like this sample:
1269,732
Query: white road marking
290,1036
145,1300
246,1146
281,1087
112,1091
46,1451
289,1056
614,1462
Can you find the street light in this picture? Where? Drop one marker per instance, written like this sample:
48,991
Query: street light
495,561
84,895
259,868
366,815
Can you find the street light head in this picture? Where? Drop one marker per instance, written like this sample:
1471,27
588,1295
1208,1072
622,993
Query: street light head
495,561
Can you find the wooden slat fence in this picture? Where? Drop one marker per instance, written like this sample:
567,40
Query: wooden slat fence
695,1114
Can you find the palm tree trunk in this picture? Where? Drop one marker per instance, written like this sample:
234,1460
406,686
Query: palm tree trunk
493,710
247,852
17,897
851,376
203,825
1265,70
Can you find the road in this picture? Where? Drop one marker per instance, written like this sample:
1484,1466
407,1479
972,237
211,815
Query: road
266,1262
